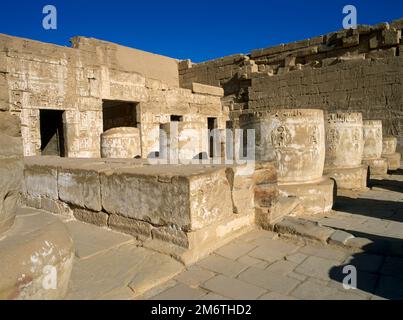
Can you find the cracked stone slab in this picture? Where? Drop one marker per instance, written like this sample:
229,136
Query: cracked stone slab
110,273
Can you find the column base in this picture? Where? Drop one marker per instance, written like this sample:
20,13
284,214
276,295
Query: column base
393,160
349,178
315,197
377,167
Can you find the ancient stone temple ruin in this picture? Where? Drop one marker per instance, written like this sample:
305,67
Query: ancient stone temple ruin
181,158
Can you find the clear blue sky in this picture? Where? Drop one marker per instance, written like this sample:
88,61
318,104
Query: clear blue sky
199,30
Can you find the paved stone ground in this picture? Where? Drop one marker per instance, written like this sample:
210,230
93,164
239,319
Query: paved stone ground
257,265
260,265
110,265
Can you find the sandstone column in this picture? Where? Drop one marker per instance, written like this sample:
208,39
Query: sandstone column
295,139
389,145
372,132
344,150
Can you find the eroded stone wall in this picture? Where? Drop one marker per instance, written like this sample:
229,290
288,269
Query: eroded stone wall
350,70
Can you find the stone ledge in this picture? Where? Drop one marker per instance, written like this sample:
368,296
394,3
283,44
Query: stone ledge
206,89
305,228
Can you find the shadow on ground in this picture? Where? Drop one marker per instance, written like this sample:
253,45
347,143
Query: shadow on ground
379,268
382,209
391,185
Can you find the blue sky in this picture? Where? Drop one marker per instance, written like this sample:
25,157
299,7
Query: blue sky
199,30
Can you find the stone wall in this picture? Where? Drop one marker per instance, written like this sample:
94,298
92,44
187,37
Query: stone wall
196,207
35,76
11,168
356,70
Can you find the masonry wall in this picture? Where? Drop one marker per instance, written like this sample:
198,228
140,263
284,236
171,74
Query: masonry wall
357,70
35,75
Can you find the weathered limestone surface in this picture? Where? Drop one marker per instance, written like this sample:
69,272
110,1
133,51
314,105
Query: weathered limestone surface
36,247
11,167
202,88
389,144
77,80
295,139
122,142
372,132
184,141
344,150
183,210
321,71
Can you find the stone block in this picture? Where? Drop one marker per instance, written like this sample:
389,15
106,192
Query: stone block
81,188
233,288
377,167
205,89
340,237
393,160
349,178
130,226
305,228
391,37
41,181
351,41
266,194
143,197
316,197
170,235
98,218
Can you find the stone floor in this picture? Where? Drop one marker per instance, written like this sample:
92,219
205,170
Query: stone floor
257,265
262,265
110,265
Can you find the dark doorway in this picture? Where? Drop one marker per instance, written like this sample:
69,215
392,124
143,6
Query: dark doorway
52,133
211,125
175,118
119,114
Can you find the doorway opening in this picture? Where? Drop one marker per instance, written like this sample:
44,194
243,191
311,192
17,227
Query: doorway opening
52,132
119,114
211,125
175,118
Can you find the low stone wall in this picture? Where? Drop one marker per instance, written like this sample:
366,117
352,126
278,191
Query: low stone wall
194,207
